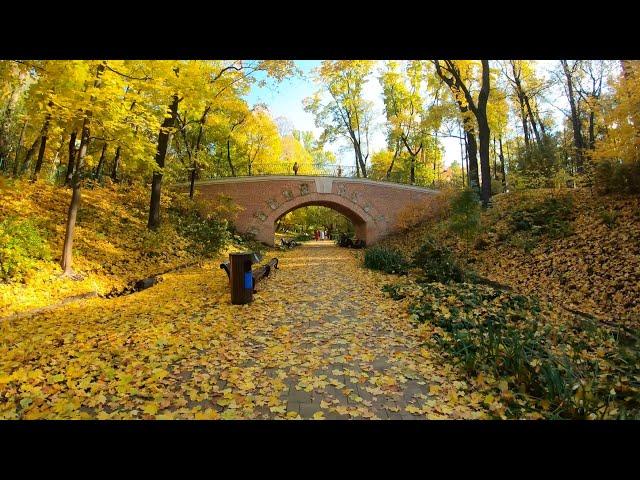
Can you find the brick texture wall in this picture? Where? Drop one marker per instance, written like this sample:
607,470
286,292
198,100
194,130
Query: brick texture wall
373,207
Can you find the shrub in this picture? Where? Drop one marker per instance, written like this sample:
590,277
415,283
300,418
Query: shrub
609,217
158,243
248,242
388,260
437,263
617,177
203,224
556,364
465,214
551,217
522,241
20,246
302,237
496,186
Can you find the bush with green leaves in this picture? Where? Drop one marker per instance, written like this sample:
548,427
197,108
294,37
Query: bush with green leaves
609,217
302,237
464,219
613,176
21,244
388,260
249,243
437,263
551,217
206,231
551,363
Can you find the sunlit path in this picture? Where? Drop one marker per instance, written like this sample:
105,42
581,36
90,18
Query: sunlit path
320,339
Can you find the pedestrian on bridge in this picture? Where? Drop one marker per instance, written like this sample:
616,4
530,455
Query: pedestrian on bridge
295,168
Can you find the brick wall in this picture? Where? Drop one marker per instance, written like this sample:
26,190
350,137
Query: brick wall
372,206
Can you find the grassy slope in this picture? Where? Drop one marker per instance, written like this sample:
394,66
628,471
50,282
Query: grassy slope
112,246
595,269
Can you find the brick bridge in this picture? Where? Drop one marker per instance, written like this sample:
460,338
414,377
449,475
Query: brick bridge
372,206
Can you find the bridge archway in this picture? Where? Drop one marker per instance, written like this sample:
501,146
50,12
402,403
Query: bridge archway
374,207
358,217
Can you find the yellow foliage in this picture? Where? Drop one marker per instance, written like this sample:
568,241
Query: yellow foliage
181,350
112,245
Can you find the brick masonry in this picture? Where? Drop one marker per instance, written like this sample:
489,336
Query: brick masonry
372,206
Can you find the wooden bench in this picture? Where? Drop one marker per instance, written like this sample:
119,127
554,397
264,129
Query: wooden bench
257,273
288,243
346,242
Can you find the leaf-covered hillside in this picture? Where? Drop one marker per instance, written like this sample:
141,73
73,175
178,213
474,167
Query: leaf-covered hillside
563,245
113,245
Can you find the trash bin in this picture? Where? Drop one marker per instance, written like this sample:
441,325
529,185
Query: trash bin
241,278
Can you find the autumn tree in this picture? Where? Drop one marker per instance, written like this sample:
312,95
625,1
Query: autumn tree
405,112
458,76
340,107
86,113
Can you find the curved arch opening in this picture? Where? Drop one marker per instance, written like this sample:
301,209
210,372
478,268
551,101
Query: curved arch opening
302,220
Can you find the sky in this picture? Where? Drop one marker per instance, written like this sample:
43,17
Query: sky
285,100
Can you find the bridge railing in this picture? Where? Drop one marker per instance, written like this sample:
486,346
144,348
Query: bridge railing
343,171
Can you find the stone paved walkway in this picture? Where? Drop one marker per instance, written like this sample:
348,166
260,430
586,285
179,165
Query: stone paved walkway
353,351
321,340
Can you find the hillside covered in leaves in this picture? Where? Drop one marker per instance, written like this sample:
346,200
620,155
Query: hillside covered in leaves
565,245
536,298
114,248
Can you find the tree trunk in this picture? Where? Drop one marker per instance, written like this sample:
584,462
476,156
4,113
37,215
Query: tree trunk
192,185
533,122
502,169
484,133
16,162
575,119
194,172
116,162
484,138
495,160
393,160
233,170
628,75
472,156
161,153
13,100
525,127
462,155
361,161
72,157
523,102
412,174
43,146
71,225
67,250
592,130
466,157
434,168
30,152
101,161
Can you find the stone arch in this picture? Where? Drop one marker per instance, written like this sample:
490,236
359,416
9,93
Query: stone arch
362,221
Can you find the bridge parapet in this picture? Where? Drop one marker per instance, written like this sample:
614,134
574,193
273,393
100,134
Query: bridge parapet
373,207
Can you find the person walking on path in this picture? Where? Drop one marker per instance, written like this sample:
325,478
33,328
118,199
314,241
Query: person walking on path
316,234
295,168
